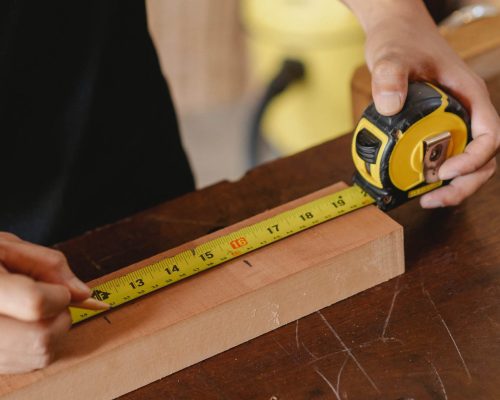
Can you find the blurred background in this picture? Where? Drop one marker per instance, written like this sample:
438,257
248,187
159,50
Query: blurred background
253,80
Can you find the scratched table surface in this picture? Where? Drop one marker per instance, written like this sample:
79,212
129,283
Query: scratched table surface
432,333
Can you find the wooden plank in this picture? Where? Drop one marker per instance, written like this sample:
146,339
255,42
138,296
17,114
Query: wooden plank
219,309
410,335
478,43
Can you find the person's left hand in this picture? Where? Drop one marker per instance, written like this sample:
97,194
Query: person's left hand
408,46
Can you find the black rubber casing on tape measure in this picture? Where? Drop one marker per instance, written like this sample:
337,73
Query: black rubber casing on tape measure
376,137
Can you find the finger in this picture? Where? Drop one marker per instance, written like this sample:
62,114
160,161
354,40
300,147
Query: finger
91,304
472,92
9,236
33,338
43,264
459,188
24,299
389,85
477,153
25,346
15,363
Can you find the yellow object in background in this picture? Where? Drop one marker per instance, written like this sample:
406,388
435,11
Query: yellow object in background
326,37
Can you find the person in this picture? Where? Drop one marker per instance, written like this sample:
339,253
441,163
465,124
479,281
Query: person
88,130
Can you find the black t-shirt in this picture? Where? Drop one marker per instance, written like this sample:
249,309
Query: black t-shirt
88,132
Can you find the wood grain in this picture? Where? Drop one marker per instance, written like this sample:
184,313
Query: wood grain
219,309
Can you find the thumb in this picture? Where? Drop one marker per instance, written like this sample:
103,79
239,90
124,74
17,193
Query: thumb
389,85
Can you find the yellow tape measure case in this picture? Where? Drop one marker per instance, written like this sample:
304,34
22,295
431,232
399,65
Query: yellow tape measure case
398,157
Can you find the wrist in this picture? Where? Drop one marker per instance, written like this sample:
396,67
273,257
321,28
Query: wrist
374,13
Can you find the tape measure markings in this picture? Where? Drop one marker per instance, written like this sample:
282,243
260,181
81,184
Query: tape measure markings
214,252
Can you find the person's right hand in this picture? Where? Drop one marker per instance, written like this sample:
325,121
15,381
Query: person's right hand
36,287
403,43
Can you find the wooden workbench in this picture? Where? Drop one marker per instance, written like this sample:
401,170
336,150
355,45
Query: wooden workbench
433,333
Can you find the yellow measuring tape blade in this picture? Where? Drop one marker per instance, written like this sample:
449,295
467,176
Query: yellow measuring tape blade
224,248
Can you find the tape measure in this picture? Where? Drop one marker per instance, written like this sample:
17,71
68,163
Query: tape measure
396,158
217,251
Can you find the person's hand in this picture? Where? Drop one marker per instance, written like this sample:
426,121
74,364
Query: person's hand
403,44
36,287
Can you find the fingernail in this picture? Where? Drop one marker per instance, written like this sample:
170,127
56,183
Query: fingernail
447,174
426,202
91,304
79,286
389,103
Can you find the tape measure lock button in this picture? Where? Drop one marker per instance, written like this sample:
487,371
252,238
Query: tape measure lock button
367,147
